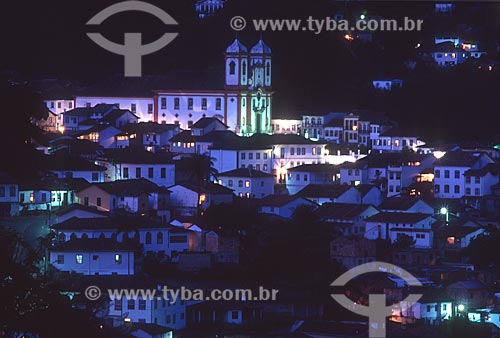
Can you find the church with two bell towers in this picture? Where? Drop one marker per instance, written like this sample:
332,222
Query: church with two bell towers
243,103
248,77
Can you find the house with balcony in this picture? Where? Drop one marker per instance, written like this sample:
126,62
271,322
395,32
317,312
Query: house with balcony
333,130
312,126
286,126
152,234
394,140
351,128
390,225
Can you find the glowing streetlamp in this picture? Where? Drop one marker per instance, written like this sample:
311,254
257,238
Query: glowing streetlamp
444,211
461,307
362,16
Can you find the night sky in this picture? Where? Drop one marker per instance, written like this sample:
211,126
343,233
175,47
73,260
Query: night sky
46,39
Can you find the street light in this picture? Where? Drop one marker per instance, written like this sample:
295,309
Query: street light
444,211
461,307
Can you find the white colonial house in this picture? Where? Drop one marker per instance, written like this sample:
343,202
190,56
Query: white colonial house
79,211
137,163
145,316
300,176
273,154
74,167
247,182
320,193
282,205
387,84
396,140
349,219
154,236
103,134
433,307
286,126
390,225
151,135
50,192
449,172
478,182
404,203
82,118
142,107
96,256
9,197
139,196
187,198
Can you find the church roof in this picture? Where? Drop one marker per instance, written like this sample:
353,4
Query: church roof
236,47
260,48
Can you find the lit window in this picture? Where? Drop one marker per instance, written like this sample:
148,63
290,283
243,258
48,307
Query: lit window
247,184
118,259
202,198
79,259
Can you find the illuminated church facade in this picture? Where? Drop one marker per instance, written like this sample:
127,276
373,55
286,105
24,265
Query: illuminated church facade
243,101
244,104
